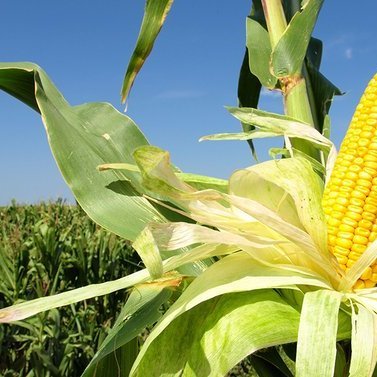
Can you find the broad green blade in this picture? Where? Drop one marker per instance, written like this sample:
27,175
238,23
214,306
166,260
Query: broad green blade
140,311
234,273
316,346
234,326
154,17
289,53
118,363
81,138
259,50
363,343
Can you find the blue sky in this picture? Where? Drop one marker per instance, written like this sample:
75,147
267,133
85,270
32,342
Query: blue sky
180,93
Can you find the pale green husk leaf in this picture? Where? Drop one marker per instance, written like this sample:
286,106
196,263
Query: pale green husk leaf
364,342
316,345
234,325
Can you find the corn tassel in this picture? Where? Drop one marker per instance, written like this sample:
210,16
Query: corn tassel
350,197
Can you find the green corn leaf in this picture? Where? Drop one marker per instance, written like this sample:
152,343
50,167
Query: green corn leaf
154,17
289,53
249,88
29,308
323,94
316,346
81,138
141,310
235,273
234,326
314,52
268,362
259,50
118,363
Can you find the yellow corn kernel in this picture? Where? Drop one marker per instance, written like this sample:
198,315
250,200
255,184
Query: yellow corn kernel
346,243
367,274
371,164
366,224
342,201
332,230
335,222
345,235
352,215
349,221
357,202
364,183
360,240
350,263
350,197
342,260
359,284
358,194
340,251
354,256
346,228
331,240
368,216
369,283
362,232
370,200
370,208
358,248
339,207
372,236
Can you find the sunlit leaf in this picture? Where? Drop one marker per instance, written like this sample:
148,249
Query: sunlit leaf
234,273
81,138
234,326
316,346
154,17
259,49
289,53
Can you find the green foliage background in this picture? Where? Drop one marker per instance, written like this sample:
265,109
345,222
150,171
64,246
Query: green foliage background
46,249
49,248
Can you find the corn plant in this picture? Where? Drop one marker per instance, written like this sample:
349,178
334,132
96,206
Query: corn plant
251,262
46,249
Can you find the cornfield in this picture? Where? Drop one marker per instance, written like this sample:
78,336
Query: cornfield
45,249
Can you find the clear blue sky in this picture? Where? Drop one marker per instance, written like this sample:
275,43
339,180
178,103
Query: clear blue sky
180,93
